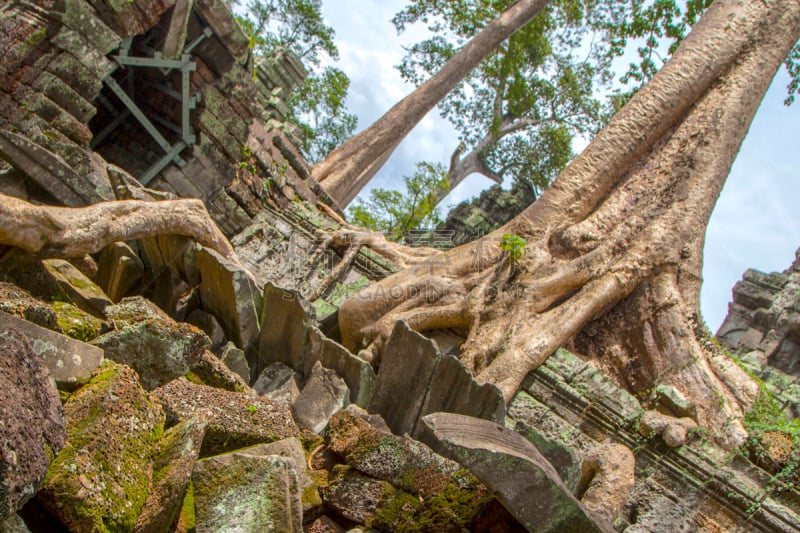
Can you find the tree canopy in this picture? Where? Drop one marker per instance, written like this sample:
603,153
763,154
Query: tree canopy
519,110
318,107
395,213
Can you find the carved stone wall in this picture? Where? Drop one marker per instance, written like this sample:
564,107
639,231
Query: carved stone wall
763,329
58,60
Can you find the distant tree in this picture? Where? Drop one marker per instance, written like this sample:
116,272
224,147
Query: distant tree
530,92
351,165
396,213
318,107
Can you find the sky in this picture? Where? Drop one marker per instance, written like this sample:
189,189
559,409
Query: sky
756,222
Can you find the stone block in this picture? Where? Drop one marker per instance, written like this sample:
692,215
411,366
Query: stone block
236,361
70,362
235,419
18,302
356,373
247,493
210,371
454,390
283,329
324,394
407,365
100,480
279,383
79,289
159,351
179,449
229,292
32,428
524,482
211,326
118,270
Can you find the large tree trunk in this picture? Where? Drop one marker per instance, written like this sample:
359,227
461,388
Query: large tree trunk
348,168
614,246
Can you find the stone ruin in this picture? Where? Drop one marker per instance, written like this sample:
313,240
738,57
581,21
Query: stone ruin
196,394
763,329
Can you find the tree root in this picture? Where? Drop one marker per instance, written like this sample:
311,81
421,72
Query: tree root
49,231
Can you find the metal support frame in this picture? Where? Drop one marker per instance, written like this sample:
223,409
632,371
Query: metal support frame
185,66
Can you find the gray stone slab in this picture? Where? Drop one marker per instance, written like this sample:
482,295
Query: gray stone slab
247,493
230,293
283,329
70,362
357,373
524,482
454,390
324,394
407,365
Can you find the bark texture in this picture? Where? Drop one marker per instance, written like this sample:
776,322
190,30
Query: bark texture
614,247
349,167
72,232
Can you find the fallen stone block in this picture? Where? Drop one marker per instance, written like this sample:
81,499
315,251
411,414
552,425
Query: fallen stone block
213,372
229,292
77,323
356,373
324,394
279,383
211,326
248,493
99,482
524,482
159,351
283,331
407,365
179,450
454,390
70,362
118,270
236,361
31,423
18,302
235,419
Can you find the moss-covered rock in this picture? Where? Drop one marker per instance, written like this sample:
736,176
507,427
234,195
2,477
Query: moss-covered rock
18,302
172,471
148,340
100,480
243,492
77,323
235,419
31,424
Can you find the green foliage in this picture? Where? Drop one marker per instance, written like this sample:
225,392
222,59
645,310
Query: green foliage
396,213
295,25
514,245
521,107
774,442
317,107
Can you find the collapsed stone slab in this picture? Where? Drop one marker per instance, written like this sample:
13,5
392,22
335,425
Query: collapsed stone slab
249,493
70,362
524,482
156,346
324,394
31,423
235,419
179,449
100,480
